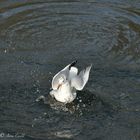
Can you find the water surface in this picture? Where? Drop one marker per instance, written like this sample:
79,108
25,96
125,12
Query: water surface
39,38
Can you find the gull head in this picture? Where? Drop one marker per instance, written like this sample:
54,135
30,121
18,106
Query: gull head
61,81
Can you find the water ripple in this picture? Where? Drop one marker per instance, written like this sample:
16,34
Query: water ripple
39,38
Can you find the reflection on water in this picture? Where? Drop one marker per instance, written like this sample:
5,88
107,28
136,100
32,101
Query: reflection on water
39,38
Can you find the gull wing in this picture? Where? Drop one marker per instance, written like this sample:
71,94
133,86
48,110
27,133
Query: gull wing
64,73
79,81
73,72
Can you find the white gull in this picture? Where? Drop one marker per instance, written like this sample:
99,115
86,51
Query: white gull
67,81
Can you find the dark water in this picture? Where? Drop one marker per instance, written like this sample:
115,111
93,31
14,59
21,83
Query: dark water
38,38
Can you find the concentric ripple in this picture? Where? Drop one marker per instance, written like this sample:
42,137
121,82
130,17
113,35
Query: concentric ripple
39,38
83,23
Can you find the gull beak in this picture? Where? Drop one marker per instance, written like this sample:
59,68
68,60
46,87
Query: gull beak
59,86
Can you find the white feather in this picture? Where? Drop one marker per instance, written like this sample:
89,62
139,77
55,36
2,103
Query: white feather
67,81
79,81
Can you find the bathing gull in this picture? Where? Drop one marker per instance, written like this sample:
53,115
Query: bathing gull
67,81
